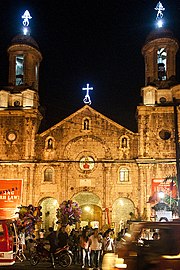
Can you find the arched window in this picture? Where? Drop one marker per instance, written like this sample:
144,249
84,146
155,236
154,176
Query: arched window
86,124
162,62
124,175
19,69
48,175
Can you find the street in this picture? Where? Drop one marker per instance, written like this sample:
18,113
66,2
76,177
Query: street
45,265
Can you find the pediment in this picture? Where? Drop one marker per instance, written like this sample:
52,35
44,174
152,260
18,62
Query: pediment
85,112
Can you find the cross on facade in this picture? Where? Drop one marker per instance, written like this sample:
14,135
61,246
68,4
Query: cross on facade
87,99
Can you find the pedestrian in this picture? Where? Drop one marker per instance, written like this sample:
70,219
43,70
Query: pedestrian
22,240
73,242
30,240
41,235
84,244
62,237
117,241
95,242
155,236
53,244
108,243
21,245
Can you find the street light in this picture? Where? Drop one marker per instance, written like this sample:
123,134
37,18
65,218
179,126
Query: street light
175,104
161,195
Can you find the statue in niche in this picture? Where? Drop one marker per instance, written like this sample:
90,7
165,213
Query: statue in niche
86,124
124,143
50,144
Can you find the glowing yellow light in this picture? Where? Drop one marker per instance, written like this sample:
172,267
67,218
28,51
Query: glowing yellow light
55,202
87,209
172,257
120,265
128,235
121,202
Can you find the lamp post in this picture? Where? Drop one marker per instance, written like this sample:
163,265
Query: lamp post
175,104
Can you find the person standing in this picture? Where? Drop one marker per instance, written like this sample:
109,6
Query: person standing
73,242
30,240
22,241
41,235
62,237
108,243
84,244
95,242
53,244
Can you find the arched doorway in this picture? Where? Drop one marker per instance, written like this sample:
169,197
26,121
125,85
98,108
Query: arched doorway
49,206
91,209
91,216
121,213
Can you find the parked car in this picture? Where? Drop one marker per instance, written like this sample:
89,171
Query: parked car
7,234
141,250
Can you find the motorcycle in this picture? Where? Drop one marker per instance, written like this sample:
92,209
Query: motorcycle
63,256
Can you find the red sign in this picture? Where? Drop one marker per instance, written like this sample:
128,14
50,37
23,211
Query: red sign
10,197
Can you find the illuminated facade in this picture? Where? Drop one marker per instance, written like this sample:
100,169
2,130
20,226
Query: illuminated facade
109,170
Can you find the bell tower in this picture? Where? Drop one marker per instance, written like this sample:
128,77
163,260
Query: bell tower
24,61
156,112
19,100
159,54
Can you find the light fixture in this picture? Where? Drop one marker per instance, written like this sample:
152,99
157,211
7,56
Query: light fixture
161,194
87,208
160,23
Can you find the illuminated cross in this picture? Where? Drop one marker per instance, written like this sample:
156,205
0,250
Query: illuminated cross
87,99
159,7
26,16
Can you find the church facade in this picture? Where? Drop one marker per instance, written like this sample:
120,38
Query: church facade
109,170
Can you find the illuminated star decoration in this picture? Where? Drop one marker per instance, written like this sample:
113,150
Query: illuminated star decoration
26,16
159,7
87,99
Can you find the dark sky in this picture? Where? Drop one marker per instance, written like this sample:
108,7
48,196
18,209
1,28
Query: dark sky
87,41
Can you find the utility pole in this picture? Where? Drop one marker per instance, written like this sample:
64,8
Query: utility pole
175,104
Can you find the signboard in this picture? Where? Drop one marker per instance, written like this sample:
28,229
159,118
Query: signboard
10,197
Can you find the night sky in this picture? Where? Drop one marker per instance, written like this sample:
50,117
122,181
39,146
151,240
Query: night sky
86,41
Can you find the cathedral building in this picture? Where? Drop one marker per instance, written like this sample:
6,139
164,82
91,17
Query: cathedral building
110,171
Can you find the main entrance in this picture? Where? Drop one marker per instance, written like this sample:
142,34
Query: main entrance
91,209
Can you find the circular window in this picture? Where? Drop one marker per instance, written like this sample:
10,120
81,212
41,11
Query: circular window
165,134
162,100
11,136
16,103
